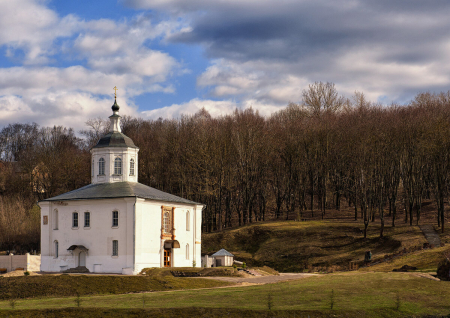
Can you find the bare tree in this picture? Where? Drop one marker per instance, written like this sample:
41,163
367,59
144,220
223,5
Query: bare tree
322,97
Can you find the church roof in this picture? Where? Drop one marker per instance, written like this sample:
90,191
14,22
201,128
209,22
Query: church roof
118,190
115,139
222,252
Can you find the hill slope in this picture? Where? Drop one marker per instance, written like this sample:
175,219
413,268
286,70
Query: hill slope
290,246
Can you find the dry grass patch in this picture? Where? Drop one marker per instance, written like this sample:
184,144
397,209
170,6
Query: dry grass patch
425,261
290,246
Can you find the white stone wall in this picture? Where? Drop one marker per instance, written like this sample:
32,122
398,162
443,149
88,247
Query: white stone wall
144,238
149,246
97,238
28,262
208,261
148,234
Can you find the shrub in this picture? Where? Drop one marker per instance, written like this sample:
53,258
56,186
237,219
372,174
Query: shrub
244,265
269,301
27,273
78,300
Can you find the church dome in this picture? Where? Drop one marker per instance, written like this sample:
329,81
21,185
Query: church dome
115,139
115,107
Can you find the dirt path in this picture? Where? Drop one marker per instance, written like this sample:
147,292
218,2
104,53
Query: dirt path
431,235
263,279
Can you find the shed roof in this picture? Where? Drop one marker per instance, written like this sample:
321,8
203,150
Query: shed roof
119,190
222,252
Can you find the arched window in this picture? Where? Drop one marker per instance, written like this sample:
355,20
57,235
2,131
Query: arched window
187,251
115,218
101,167
166,222
75,219
55,219
188,225
115,248
56,249
131,167
92,170
117,166
87,219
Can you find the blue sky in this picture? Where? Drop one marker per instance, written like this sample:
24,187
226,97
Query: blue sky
60,59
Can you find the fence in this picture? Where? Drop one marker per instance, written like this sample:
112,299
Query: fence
27,262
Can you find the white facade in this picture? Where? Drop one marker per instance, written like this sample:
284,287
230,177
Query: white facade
138,235
108,228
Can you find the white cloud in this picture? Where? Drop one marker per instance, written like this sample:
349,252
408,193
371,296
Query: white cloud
25,81
215,108
29,26
66,109
269,52
101,54
256,81
145,63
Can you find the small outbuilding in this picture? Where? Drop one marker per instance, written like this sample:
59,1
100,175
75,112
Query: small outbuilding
223,258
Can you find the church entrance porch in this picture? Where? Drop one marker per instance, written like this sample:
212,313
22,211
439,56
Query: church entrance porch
167,257
81,251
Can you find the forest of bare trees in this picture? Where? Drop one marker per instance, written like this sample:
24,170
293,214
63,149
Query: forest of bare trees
306,159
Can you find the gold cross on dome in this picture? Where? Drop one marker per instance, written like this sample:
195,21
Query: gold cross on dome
115,91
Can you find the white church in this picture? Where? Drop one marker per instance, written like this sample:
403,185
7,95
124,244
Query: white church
115,224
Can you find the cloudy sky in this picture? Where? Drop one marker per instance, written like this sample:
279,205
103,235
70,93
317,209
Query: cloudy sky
60,59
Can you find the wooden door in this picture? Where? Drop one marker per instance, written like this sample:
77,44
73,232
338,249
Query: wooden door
167,256
82,259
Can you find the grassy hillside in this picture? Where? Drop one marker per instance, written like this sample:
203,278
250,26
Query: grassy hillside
352,294
290,246
68,285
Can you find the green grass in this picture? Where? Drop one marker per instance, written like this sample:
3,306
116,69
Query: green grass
355,293
290,246
197,312
68,285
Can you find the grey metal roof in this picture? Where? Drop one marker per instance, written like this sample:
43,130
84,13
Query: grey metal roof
115,139
222,252
119,190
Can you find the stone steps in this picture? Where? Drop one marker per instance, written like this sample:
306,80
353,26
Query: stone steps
431,235
79,269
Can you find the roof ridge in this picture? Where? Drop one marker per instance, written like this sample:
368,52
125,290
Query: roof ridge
119,190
